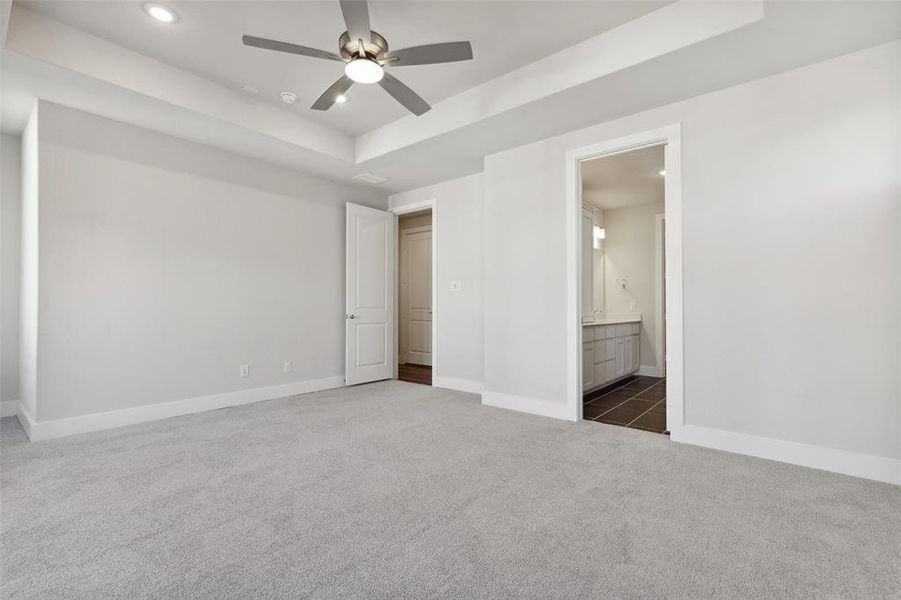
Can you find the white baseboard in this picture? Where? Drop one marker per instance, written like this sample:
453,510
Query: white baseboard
25,419
456,383
806,455
45,430
9,408
527,404
646,371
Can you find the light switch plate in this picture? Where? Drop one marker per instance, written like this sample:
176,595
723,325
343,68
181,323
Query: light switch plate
456,286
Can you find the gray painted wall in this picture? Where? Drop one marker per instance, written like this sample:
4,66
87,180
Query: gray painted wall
791,261
164,265
10,224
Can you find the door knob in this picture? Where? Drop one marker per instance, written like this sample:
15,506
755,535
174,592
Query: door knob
350,316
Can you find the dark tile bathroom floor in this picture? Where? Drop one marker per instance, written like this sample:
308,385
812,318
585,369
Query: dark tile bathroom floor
636,402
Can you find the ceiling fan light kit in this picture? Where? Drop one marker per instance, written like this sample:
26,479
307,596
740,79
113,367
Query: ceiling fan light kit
365,55
363,70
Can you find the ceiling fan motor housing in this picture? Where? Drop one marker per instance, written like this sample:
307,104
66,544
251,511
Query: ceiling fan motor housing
376,47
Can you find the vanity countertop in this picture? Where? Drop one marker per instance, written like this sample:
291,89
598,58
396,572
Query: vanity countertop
611,320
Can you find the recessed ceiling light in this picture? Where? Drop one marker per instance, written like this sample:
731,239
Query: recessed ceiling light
662,172
288,97
341,98
160,13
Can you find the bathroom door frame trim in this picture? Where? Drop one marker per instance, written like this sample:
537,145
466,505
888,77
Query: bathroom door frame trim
414,207
671,136
659,295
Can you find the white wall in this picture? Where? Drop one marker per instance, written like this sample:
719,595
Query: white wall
28,293
10,225
791,252
458,239
630,253
164,265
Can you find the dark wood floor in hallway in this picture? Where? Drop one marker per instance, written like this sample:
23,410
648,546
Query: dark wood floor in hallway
415,373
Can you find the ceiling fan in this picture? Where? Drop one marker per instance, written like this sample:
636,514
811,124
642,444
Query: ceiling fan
365,55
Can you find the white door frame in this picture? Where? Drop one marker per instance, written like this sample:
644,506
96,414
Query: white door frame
403,210
659,295
670,135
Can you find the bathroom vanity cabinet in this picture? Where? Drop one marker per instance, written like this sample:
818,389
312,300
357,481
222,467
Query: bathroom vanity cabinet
610,351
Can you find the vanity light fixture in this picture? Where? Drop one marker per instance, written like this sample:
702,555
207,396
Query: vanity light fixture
161,13
599,234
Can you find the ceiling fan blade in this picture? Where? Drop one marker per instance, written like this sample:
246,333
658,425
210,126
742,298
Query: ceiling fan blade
266,44
327,99
404,95
431,54
356,17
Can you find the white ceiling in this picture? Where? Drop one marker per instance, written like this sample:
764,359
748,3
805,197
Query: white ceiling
206,41
678,51
622,180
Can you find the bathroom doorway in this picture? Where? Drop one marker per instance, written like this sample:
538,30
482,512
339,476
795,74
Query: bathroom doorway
625,280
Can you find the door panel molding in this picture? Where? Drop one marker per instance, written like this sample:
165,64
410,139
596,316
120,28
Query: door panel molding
369,295
416,296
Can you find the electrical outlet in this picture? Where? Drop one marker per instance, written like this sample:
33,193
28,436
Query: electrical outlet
245,370
288,366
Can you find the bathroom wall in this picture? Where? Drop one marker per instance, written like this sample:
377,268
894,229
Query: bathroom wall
629,254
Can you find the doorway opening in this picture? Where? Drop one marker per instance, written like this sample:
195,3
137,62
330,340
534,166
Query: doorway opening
623,376
624,285
415,243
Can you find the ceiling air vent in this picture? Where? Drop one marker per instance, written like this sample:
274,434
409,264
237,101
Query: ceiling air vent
368,177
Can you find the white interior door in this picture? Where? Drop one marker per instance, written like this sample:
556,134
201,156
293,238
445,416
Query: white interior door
416,296
369,309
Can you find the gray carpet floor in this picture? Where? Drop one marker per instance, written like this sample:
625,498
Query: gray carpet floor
396,490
